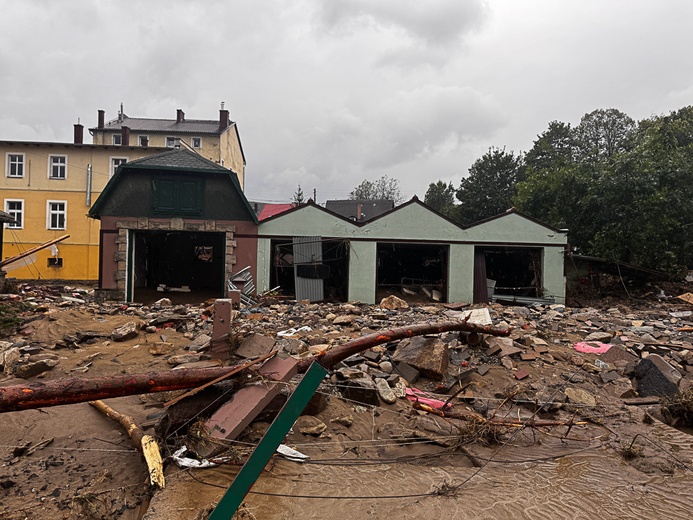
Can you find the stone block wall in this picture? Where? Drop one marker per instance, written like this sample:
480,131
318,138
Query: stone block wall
172,224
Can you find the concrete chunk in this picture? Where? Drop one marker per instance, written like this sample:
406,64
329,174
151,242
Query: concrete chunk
430,356
655,377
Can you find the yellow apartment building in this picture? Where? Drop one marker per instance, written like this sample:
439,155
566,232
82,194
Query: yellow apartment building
48,187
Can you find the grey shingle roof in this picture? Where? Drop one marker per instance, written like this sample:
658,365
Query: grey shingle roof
177,158
139,124
368,208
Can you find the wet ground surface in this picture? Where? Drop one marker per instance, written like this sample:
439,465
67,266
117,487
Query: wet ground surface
390,460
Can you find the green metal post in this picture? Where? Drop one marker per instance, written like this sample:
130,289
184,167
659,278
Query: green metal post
275,434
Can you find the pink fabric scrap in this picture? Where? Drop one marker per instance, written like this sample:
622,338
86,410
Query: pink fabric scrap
417,395
593,347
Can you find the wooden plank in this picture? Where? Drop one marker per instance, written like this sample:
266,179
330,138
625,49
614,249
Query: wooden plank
275,434
233,417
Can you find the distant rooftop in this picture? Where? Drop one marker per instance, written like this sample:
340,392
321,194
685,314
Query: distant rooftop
177,158
179,125
359,210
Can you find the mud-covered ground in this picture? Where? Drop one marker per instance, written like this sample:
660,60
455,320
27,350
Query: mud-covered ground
391,460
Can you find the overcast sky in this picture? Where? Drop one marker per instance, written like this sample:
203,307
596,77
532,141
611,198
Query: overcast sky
327,93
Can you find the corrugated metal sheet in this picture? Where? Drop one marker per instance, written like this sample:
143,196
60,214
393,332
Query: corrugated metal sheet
307,251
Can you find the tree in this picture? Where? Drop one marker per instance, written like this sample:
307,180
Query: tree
490,187
624,193
384,188
298,197
602,134
441,197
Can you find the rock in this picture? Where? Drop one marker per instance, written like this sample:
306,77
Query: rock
200,343
617,353
9,359
408,372
255,345
163,302
496,345
361,390
292,346
186,358
602,337
430,356
400,389
126,332
346,319
25,370
161,348
655,377
310,425
393,303
384,391
579,396
386,367
345,420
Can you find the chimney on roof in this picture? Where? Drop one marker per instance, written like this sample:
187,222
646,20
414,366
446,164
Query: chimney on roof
180,116
125,133
79,133
224,121
102,118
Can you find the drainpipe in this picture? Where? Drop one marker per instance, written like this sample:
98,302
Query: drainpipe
88,201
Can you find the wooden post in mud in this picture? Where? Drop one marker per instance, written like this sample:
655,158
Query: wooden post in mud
143,442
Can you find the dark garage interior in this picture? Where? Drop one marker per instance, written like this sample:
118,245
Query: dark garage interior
176,260
333,269
412,270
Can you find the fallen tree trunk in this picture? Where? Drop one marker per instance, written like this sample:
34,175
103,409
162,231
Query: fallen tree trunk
143,442
336,354
79,390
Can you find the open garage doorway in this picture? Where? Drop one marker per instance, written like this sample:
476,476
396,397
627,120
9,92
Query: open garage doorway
414,272
508,274
328,265
186,267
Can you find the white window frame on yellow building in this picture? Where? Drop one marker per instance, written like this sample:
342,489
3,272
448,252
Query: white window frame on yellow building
113,167
14,214
8,164
140,138
172,140
50,213
61,166
117,139
192,142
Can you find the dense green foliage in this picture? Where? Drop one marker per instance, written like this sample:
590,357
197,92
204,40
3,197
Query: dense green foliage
623,189
441,197
490,187
384,188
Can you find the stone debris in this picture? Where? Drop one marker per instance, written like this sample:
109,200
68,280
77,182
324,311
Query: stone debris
430,356
126,332
650,354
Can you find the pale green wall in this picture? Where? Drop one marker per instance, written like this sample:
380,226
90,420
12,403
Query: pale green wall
362,261
512,228
264,266
461,273
415,222
552,269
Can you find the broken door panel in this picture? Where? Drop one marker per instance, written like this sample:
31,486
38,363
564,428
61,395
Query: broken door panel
308,256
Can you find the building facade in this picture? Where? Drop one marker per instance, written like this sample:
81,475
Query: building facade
49,187
315,254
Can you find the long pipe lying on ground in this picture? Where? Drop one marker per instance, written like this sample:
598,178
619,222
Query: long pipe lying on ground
77,390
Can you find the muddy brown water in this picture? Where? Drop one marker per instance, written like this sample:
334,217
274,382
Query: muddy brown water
535,476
